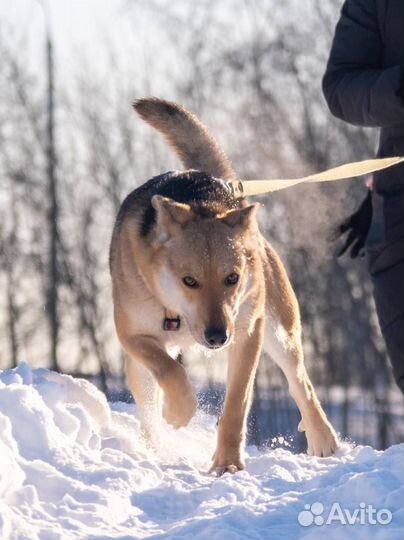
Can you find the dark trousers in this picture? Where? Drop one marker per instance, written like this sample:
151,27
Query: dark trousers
385,249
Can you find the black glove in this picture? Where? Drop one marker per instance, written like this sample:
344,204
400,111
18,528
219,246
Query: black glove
357,225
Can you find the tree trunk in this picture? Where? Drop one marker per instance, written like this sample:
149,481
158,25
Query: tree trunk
53,215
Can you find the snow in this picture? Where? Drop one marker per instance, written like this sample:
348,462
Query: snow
73,466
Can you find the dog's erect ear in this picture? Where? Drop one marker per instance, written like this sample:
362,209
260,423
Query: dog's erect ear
170,210
241,217
170,216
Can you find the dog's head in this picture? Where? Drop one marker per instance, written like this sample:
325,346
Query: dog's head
203,267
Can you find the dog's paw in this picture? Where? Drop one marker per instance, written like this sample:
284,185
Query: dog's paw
230,462
322,441
219,471
179,409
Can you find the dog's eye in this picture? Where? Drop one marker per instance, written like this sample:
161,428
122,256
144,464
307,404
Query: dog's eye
232,279
190,282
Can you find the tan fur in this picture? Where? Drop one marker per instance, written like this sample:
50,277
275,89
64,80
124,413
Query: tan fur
147,277
190,139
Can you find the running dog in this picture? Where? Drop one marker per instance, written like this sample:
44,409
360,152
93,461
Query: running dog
190,266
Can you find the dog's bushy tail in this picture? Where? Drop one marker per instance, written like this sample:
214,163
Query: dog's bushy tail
187,135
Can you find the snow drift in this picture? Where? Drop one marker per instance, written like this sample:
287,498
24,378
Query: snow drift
73,467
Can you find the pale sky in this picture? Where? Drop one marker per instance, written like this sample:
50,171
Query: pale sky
73,22
82,30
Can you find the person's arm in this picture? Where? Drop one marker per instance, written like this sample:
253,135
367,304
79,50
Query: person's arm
356,87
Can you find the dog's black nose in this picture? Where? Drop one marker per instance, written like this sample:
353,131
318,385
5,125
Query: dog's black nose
216,337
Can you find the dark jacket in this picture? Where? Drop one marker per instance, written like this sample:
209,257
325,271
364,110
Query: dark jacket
364,80
364,85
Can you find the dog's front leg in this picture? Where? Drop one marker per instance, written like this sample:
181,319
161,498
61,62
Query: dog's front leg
179,397
243,361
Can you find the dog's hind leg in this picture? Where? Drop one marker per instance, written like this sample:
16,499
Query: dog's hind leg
147,396
243,361
283,343
286,351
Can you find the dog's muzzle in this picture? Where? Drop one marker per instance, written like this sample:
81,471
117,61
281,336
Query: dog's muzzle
215,338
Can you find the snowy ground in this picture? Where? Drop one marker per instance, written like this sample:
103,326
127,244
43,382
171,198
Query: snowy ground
72,467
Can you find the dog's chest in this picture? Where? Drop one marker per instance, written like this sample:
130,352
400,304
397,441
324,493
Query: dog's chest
150,318
180,338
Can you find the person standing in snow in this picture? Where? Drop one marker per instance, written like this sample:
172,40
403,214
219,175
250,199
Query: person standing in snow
364,85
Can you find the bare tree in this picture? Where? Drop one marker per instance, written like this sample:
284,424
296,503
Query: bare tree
52,295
